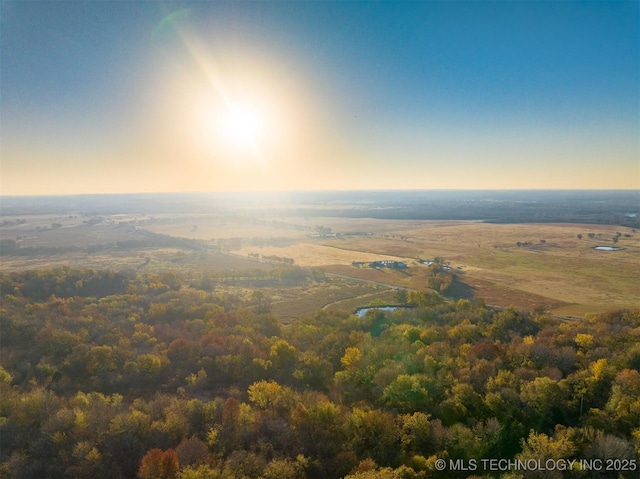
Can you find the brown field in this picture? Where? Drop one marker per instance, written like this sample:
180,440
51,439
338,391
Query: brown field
145,260
207,227
38,231
310,254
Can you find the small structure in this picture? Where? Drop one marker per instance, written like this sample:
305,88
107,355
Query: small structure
388,263
322,235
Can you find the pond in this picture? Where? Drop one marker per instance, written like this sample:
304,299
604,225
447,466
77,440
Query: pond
606,248
361,312
429,263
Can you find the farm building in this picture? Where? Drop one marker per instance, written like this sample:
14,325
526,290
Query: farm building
322,235
387,263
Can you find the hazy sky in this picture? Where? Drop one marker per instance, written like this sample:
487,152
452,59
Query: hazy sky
179,96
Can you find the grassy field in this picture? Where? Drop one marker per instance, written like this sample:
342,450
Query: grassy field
313,254
144,260
336,293
207,227
556,270
552,268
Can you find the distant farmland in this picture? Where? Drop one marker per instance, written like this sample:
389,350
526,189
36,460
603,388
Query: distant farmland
550,266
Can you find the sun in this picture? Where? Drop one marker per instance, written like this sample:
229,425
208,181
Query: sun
240,133
242,127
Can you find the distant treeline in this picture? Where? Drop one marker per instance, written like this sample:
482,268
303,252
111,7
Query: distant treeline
492,213
619,207
38,285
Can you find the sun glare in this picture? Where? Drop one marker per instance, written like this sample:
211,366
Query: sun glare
242,127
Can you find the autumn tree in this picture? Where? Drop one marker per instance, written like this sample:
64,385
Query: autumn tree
159,464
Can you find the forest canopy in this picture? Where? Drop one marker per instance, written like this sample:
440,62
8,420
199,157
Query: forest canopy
113,375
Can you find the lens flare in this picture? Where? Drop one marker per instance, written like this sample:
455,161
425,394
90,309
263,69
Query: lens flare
242,126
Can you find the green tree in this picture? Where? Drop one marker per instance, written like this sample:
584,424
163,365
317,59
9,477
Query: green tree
283,357
624,402
265,394
539,446
374,435
402,296
285,469
202,471
407,393
316,423
545,399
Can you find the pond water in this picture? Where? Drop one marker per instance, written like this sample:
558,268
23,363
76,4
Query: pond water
429,263
363,311
606,248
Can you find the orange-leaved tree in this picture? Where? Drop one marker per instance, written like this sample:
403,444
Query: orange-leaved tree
158,464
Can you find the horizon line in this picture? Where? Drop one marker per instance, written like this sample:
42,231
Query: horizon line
359,190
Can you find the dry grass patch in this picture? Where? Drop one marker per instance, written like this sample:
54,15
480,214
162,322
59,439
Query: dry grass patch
208,228
351,304
311,254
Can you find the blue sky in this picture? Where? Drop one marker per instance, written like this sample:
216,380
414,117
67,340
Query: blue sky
115,96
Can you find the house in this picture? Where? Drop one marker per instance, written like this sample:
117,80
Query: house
388,263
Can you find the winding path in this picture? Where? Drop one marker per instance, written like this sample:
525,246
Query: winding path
360,296
355,278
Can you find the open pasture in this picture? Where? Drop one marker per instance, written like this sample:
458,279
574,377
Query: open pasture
144,260
208,227
71,231
311,254
552,268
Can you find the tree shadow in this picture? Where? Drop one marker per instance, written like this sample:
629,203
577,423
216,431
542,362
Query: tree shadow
461,290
